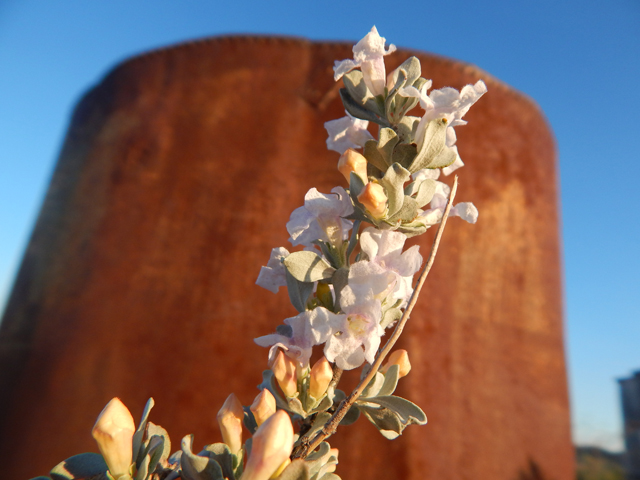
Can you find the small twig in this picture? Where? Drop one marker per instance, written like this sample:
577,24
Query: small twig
332,424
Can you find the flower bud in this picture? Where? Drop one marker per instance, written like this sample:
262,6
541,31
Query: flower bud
263,406
374,199
113,432
352,161
270,448
284,369
400,358
230,419
320,377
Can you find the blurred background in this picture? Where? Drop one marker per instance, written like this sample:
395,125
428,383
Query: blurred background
580,61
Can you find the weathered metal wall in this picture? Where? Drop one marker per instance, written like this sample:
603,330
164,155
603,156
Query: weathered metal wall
177,176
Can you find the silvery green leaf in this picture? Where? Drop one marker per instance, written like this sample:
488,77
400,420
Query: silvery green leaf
390,316
318,423
308,266
153,429
356,184
407,128
323,450
387,142
299,292
390,106
137,436
151,456
373,156
407,213
385,420
407,411
393,183
329,476
84,465
249,420
445,158
351,416
390,381
354,82
412,68
324,404
433,143
295,405
413,229
296,470
372,389
355,109
340,279
195,467
220,453
425,193
404,154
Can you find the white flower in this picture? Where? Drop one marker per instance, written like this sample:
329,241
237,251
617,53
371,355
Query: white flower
384,249
273,276
445,103
309,328
321,218
465,210
368,54
347,132
356,334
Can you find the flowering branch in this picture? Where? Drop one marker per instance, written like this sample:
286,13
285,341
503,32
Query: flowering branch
331,426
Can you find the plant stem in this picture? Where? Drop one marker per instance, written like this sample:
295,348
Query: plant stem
306,447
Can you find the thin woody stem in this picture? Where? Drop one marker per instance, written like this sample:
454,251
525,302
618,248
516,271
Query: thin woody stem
332,424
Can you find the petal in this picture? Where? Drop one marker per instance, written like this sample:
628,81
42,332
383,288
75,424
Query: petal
467,211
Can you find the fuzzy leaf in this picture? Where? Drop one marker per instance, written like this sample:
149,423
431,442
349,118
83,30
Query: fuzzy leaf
298,292
354,82
351,416
407,129
390,316
308,266
153,429
356,185
220,453
385,420
372,389
404,154
138,449
296,470
373,156
393,183
433,143
318,423
195,467
407,411
390,381
407,213
84,465
425,193
355,109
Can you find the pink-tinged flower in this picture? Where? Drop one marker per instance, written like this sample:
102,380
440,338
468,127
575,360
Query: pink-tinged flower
230,419
320,377
347,132
113,432
465,210
270,447
321,218
400,358
273,276
356,333
309,328
445,103
368,54
385,259
263,406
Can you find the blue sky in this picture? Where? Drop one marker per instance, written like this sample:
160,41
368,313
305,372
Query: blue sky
580,60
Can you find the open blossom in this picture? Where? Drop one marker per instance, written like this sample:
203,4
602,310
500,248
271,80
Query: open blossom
465,210
321,218
347,132
309,328
445,103
368,54
273,276
356,334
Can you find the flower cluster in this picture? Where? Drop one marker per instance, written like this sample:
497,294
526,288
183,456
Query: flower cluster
351,280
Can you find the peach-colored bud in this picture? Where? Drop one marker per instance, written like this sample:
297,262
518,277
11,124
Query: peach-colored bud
400,358
263,406
374,199
270,448
352,161
230,419
113,433
320,377
284,369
